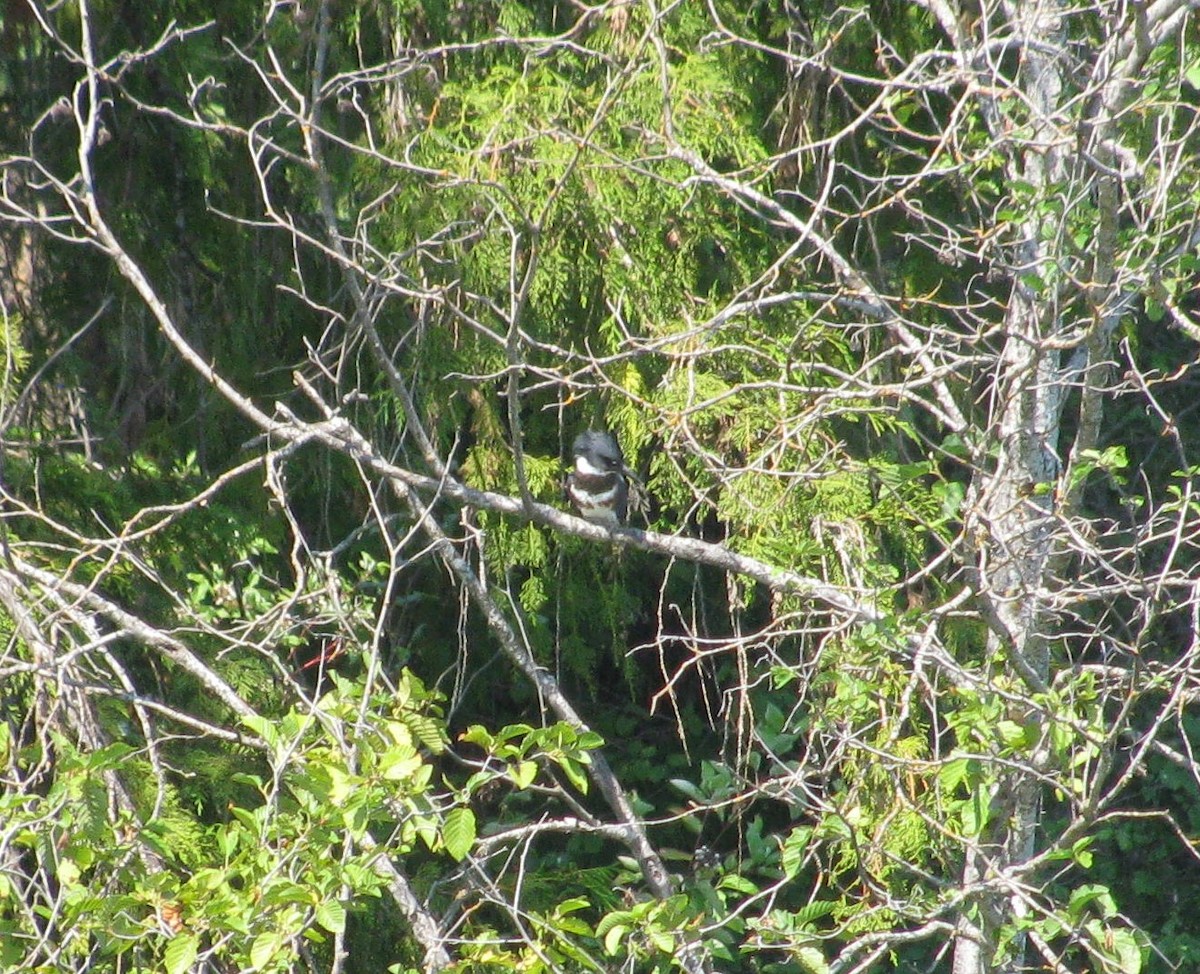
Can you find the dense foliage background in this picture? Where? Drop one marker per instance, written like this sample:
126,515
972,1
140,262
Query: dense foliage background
306,667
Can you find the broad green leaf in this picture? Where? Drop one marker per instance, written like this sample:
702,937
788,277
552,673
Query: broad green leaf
428,731
181,952
739,884
331,914
523,773
575,774
263,727
977,810
811,960
458,832
663,940
400,763
613,938
264,947
795,847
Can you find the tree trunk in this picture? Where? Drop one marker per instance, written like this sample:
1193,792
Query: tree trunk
1012,517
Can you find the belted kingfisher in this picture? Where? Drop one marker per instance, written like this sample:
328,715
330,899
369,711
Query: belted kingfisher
598,486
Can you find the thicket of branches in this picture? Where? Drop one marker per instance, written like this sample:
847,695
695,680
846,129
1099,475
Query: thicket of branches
307,666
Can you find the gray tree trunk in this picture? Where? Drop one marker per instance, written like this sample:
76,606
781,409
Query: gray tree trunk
1018,501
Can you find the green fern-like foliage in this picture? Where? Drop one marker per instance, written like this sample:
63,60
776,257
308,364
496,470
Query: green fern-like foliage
14,357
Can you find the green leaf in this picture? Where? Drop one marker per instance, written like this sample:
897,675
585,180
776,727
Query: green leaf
428,731
572,905
181,953
976,811
575,774
523,773
589,741
475,734
1116,948
68,872
795,846
263,727
251,820
207,879
663,940
1012,734
953,773
110,756
739,884
400,763
688,788
811,960
612,939
1125,951
264,947
458,832
1081,853
618,918
950,496
331,914
1091,897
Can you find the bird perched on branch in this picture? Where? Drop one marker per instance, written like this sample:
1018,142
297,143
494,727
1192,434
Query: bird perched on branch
598,485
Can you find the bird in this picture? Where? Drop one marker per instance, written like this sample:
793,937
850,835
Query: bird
598,486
